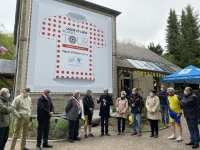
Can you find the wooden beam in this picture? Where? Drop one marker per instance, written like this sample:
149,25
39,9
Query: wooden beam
10,85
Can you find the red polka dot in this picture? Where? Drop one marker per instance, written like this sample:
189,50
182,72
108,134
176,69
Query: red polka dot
63,72
72,77
58,61
90,69
43,33
69,24
82,22
94,29
94,34
90,51
54,20
90,28
64,18
72,72
62,77
57,71
86,27
90,60
53,34
90,78
59,21
67,77
73,24
43,23
77,73
67,72
86,23
98,34
86,78
94,38
49,29
49,19
90,46
69,19
59,26
54,30
48,34
57,66
86,73
58,51
64,22
76,77
78,26
101,35
58,56
58,46
57,76
59,17
81,73
58,36
49,24
43,28
98,39
58,41
59,31
82,26
90,55
102,44
102,40
98,30
90,42
90,65
81,77
90,74
54,25
91,33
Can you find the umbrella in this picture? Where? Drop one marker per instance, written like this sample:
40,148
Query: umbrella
190,74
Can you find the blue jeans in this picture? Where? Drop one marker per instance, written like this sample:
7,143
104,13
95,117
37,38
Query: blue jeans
4,131
134,122
165,114
194,130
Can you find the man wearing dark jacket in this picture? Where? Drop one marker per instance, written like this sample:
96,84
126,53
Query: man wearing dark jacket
88,105
190,108
45,110
106,102
164,105
136,103
73,114
197,93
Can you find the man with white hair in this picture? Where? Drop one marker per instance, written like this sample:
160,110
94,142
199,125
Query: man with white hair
106,101
73,114
175,113
5,110
45,111
22,104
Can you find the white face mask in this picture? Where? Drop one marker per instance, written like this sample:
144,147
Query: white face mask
79,95
151,94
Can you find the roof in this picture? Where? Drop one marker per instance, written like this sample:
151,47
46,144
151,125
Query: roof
128,51
83,3
7,67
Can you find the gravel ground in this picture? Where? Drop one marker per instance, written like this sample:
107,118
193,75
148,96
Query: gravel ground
115,142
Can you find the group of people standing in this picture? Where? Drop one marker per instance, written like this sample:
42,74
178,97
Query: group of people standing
165,104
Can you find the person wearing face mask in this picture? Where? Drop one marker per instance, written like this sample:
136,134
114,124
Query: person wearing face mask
5,110
45,110
88,105
164,105
189,103
175,113
153,114
121,109
136,103
73,114
22,103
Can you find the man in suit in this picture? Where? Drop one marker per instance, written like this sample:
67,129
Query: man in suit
88,105
73,114
106,102
45,110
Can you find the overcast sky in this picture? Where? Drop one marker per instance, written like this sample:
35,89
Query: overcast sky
143,21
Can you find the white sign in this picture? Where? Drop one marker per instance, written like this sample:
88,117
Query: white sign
70,48
185,71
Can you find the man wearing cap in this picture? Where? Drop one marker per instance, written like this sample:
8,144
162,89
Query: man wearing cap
22,104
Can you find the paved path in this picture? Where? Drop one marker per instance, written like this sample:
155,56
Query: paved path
126,142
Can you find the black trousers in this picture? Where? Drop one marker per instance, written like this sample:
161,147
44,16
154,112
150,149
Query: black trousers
3,136
123,120
43,129
104,119
154,126
73,128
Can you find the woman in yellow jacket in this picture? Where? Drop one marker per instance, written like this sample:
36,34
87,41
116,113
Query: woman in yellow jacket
153,114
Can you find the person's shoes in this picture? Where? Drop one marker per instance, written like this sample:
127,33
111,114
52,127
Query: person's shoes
108,134
91,135
77,139
152,135
26,148
189,143
101,134
172,137
179,139
118,133
134,133
156,136
71,141
47,146
38,148
123,133
139,134
86,136
195,146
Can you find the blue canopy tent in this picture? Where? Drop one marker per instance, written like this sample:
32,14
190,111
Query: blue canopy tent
190,75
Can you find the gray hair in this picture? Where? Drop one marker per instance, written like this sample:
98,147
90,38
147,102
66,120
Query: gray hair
170,89
76,92
46,90
106,89
3,90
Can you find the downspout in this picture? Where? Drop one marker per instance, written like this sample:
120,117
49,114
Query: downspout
17,47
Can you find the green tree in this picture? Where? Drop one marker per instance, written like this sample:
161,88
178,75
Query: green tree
173,38
156,49
6,40
190,37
